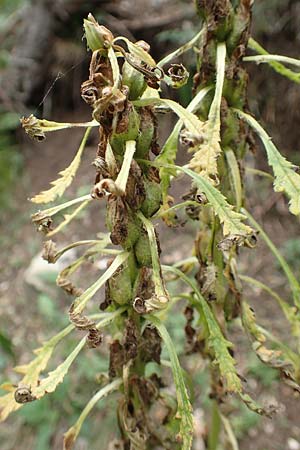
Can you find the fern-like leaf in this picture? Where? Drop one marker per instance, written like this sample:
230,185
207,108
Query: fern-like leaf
286,179
184,412
32,371
218,344
67,175
231,220
206,154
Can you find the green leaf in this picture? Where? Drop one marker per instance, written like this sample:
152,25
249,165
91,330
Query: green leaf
67,175
206,153
161,298
231,220
81,301
184,412
71,435
216,340
235,177
277,66
286,179
219,345
115,68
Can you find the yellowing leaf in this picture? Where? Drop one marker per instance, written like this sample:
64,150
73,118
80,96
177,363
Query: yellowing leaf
184,411
286,179
55,377
280,357
291,313
204,161
67,175
71,435
49,212
32,371
68,218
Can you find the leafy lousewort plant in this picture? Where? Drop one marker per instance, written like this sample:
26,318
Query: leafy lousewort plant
133,177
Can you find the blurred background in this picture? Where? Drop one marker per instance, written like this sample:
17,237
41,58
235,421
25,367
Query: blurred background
43,61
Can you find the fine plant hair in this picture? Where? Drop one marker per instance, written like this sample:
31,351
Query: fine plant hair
133,178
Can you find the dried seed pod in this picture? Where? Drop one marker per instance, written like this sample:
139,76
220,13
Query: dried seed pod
68,286
125,229
97,36
49,251
80,321
117,98
89,92
130,341
111,102
135,190
116,360
150,345
139,305
32,127
201,198
191,140
143,285
179,75
105,187
232,240
127,129
42,222
94,338
23,394
153,199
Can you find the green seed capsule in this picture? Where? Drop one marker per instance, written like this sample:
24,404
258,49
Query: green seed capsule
146,133
153,199
142,251
120,285
134,80
127,129
98,37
